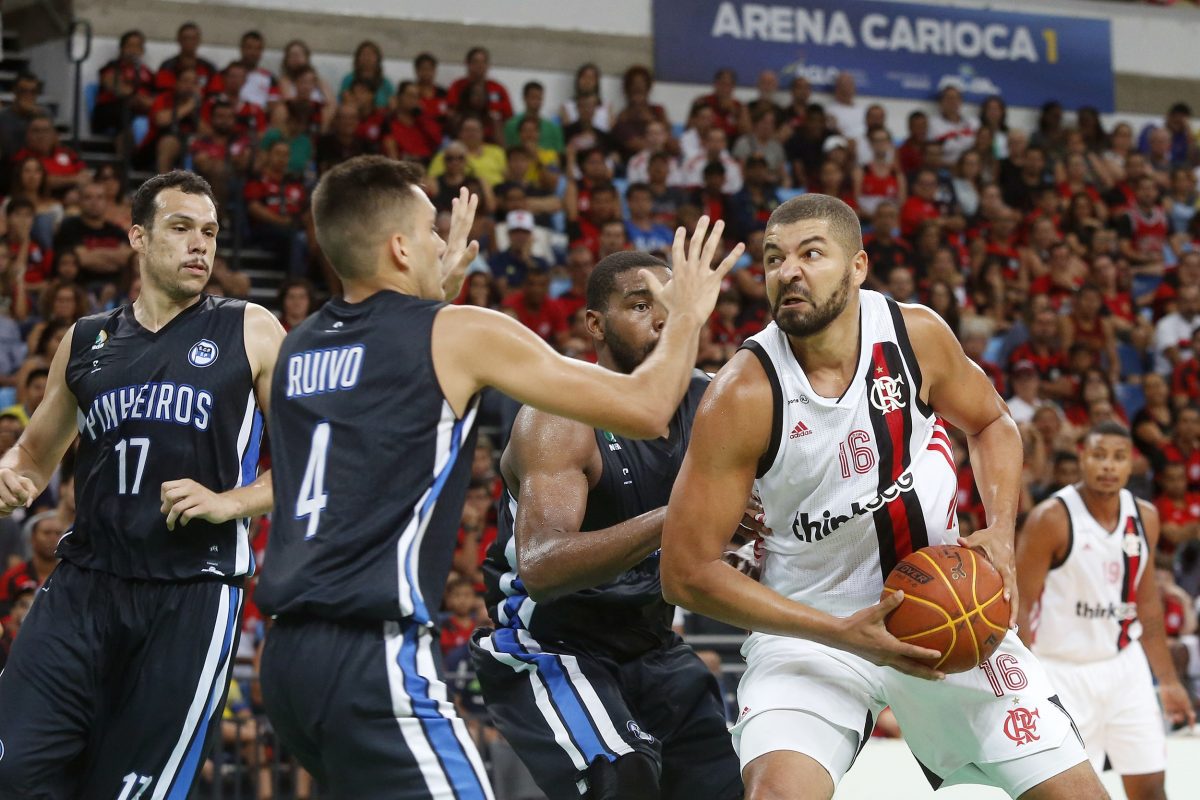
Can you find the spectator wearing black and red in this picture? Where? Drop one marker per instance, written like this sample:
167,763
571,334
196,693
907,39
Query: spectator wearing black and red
1144,229
920,206
478,61
758,197
585,133
174,119
344,140
412,133
188,37
25,254
881,179
433,97
1118,302
1044,350
711,197
102,248
604,205
806,146
1184,445
372,119
727,109
250,119
1065,273
1178,508
1022,179
260,87
795,112
223,153
883,247
1123,193
951,127
911,152
632,125
276,202
1185,378
536,310
1086,324
44,530
126,86
64,168
715,150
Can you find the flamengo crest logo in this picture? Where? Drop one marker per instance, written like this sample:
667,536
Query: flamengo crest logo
1021,725
885,393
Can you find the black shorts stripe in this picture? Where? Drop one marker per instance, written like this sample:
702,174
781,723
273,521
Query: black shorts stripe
767,460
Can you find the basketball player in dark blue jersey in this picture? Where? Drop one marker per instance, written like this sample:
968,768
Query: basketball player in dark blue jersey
118,680
575,596
376,397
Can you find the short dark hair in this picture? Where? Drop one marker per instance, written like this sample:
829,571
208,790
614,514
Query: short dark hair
185,26
350,203
605,188
474,51
1109,428
713,168
425,58
843,222
1064,456
252,35
638,187
603,280
530,86
144,199
34,374
127,35
19,203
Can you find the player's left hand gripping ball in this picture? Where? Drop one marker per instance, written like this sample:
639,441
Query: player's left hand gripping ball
997,545
185,500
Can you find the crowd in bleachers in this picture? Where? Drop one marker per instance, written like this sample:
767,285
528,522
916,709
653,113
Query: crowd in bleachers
1066,257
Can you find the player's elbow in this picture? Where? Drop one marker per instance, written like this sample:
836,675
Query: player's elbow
678,588
538,578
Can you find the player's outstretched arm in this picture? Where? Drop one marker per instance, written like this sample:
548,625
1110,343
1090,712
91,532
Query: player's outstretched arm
961,393
1042,544
731,431
555,462
184,500
1177,706
26,468
474,348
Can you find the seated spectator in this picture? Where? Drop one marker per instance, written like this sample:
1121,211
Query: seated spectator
901,286
1023,177
34,387
250,118
479,289
126,86
484,161
753,205
15,118
1026,392
223,155
793,114
550,135
1178,510
640,228
297,133
1181,200
188,37
297,63
368,66
666,196
174,119
473,103
714,151
711,198
43,530
260,88
1085,325
14,308
883,246
101,248
411,133
951,127
584,133
460,618
31,182
24,251
120,209
1173,333
452,176
911,152
510,266
580,263
1144,229
61,304
542,170
1152,424
845,111
64,168
433,97
612,239
727,109
762,141
657,139
881,179
276,203
317,115
587,82
536,310
1184,445
920,207
344,140
297,299
1185,378
631,127
1044,350
966,183
478,61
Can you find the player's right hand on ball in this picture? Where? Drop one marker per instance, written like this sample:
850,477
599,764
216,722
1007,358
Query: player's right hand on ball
864,634
16,491
694,282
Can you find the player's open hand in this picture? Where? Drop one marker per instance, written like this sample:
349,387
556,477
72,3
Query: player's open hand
16,491
1177,706
997,545
695,283
185,500
459,252
865,634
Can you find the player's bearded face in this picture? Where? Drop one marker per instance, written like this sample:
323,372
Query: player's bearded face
820,309
628,354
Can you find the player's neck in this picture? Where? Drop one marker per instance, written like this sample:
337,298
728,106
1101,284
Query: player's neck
834,349
1103,506
153,309
381,281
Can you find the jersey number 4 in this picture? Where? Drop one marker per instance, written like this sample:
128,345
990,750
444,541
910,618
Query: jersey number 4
311,501
143,447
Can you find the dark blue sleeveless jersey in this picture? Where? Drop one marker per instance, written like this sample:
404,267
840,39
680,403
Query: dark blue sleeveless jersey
626,616
154,407
370,464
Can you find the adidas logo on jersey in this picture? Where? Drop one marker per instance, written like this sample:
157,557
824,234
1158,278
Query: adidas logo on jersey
800,430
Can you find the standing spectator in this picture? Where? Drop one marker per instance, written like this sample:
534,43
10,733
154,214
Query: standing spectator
102,248
64,168
485,161
846,111
950,126
296,131
806,146
412,132
1173,333
478,61
222,155
510,267
433,97
1144,229
631,128
550,135
297,61
276,202
993,115
174,119
16,118
188,37
536,310
587,82
584,133
260,88
640,228
761,141
727,110
881,179
368,66
126,86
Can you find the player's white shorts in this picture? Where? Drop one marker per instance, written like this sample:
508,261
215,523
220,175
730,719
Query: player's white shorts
999,724
1116,709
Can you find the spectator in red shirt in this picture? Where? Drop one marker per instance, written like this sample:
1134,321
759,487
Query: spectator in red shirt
174,119
536,310
478,60
412,132
64,168
276,203
1178,509
884,249
25,254
250,118
188,37
433,97
459,620
44,530
1185,378
920,206
911,153
1045,352
727,110
371,120
126,86
222,154
1145,228
1184,447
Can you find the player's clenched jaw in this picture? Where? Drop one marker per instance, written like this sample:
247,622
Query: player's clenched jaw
810,276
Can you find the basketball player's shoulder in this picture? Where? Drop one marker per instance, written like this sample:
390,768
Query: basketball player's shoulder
1147,510
925,328
541,437
742,385
1049,515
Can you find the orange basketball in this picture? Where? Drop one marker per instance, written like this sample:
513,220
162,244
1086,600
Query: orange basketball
953,602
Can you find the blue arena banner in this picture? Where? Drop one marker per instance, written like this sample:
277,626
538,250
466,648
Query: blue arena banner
892,49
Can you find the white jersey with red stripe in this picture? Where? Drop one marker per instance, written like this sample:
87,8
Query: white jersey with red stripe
854,483
1088,608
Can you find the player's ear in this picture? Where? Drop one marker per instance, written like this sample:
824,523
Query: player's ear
594,321
398,249
137,238
858,265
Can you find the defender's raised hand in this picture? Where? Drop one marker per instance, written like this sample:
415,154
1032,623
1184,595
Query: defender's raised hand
694,282
459,252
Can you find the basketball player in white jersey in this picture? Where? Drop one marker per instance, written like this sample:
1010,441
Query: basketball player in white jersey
835,409
1085,560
